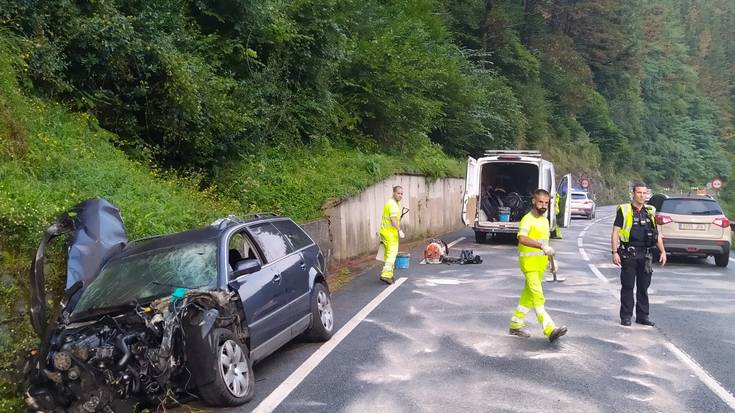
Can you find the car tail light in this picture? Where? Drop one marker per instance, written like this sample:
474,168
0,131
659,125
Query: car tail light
663,219
721,222
587,201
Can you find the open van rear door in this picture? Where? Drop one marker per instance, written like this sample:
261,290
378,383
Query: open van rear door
564,218
471,191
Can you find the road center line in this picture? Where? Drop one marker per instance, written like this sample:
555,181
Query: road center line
732,259
580,243
598,273
284,389
584,254
702,374
451,244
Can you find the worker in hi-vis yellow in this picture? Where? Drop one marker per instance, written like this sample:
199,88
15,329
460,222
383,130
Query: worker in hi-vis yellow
533,256
390,233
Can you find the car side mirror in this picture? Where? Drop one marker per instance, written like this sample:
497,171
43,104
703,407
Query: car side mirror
732,226
246,266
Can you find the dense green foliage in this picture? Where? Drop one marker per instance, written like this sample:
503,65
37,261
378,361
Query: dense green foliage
183,110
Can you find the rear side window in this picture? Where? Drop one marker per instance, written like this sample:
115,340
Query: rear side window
579,196
691,207
294,233
271,241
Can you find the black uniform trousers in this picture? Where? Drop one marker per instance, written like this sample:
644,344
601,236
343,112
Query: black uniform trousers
634,274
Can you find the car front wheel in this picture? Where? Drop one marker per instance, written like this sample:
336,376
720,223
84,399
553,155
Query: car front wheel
722,259
233,382
322,315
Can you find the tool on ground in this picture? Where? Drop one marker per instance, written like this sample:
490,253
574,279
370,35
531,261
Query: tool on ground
465,257
552,265
435,251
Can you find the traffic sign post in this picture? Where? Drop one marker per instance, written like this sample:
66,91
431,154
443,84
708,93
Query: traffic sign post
584,183
717,183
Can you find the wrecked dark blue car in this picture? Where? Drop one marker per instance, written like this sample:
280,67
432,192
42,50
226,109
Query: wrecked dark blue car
184,315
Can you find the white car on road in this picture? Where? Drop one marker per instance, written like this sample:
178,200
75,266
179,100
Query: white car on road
583,205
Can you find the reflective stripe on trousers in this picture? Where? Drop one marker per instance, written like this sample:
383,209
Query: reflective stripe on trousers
532,297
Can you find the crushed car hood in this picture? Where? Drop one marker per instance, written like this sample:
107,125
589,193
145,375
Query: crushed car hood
96,233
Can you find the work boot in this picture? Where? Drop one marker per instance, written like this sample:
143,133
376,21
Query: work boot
387,280
625,322
644,321
558,332
518,332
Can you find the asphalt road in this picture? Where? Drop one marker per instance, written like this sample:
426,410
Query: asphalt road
438,342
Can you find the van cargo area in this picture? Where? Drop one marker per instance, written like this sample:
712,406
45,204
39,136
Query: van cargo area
506,187
499,190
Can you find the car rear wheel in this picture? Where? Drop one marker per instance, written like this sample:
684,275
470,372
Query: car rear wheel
322,320
233,382
722,259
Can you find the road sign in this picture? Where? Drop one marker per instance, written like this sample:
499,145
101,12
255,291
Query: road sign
717,183
585,183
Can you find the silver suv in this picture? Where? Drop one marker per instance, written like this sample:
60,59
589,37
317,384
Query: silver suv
693,225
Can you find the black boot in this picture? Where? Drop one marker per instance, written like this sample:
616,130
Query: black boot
644,321
558,332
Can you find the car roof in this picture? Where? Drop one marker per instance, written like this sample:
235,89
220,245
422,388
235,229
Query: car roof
686,196
203,234
208,233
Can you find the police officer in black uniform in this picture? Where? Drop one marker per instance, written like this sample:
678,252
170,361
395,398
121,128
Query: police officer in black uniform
635,255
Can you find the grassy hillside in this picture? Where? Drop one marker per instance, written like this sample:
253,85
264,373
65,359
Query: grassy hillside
298,180
51,159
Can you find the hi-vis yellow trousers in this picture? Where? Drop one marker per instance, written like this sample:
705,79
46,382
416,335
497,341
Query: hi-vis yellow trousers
532,297
390,239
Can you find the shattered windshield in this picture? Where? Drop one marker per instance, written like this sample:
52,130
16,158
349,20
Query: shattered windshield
150,274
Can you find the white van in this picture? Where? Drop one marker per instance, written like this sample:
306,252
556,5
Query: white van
513,176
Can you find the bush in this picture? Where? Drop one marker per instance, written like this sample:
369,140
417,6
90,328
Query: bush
297,180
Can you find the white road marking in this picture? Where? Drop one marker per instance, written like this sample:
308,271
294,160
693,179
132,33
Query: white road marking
584,254
598,273
581,234
580,243
685,358
451,244
284,389
703,375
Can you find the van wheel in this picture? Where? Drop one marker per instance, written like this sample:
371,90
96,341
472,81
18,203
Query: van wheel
480,237
722,259
232,382
322,315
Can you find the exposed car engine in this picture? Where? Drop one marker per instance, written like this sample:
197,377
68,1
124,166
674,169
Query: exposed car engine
137,357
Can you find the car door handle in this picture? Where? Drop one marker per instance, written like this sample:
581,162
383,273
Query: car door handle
277,279
303,265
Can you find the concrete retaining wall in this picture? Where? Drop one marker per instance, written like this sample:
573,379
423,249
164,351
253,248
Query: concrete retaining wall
351,226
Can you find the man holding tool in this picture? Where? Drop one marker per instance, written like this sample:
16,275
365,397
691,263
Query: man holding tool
534,252
390,233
